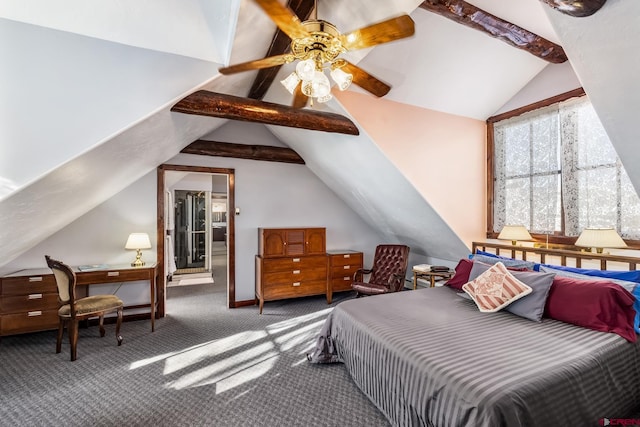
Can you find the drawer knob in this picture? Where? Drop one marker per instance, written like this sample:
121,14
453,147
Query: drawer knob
296,260
346,278
346,267
113,273
34,313
296,283
347,256
296,271
35,279
34,296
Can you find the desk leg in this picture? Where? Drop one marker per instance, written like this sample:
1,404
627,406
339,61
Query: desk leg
152,291
415,280
433,281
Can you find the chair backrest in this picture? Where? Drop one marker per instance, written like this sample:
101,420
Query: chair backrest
65,280
390,260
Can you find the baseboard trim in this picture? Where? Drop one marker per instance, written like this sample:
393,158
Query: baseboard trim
244,303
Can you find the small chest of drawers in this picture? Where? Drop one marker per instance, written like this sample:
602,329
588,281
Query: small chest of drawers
342,264
28,303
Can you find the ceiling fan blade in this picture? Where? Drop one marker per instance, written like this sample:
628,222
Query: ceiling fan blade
382,32
366,81
299,99
271,61
284,18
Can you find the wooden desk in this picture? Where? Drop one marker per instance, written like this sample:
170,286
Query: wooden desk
29,303
431,275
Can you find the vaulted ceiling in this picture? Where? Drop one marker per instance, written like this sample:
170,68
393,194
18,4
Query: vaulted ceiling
86,89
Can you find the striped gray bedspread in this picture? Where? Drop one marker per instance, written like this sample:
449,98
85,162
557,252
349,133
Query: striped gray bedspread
430,358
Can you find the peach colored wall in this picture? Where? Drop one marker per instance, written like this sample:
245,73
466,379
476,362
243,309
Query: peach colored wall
442,155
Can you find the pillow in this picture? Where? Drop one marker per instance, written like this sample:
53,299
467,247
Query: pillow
495,289
632,287
462,274
630,276
508,262
600,305
532,306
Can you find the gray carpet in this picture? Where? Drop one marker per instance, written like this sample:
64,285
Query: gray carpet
205,365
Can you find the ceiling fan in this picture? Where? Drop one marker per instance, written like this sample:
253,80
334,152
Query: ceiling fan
317,45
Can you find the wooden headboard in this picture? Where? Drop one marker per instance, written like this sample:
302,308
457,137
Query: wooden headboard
563,257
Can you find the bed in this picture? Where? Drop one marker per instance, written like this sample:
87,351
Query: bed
430,358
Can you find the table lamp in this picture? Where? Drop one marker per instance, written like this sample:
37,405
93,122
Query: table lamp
138,241
600,238
514,233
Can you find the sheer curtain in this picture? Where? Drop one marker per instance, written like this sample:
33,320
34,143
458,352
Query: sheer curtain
561,156
527,171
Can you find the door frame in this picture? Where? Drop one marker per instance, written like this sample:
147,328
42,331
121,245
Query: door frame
231,235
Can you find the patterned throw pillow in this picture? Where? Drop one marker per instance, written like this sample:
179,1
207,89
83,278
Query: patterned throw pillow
495,289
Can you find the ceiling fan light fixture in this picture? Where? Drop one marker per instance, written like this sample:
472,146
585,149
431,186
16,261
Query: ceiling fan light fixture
306,69
319,86
326,98
291,82
342,79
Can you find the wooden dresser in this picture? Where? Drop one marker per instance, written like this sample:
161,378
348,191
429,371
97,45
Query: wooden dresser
342,264
291,263
28,303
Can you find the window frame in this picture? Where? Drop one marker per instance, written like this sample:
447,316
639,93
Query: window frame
557,238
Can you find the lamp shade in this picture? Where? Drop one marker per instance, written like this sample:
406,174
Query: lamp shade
138,241
514,232
600,238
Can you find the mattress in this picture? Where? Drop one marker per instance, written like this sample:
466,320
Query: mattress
429,358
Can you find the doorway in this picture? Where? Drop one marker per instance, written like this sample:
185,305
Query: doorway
197,202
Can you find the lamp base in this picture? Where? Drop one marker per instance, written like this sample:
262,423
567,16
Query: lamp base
138,261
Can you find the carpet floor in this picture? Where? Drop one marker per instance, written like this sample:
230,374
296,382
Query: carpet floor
205,365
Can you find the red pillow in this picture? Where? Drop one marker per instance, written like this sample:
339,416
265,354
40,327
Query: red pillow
600,305
462,274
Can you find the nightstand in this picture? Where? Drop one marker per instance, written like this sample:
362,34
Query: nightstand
431,276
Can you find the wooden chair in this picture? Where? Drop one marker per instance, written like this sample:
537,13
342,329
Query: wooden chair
73,310
387,273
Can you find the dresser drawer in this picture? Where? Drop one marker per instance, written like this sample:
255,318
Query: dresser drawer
24,285
344,270
346,259
294,289
339,284
293,263
31,302
31,321
278,277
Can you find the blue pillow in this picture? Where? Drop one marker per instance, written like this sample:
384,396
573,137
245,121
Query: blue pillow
636,305
629,276
489,258
632,287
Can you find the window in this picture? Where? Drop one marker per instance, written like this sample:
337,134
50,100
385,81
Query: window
556,172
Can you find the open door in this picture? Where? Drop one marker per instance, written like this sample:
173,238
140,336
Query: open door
196,226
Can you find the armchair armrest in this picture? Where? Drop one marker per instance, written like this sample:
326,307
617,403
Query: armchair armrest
359,273
396,282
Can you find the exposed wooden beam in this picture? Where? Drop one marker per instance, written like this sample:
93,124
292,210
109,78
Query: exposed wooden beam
473,17
212,104
243,151
577,8
279,45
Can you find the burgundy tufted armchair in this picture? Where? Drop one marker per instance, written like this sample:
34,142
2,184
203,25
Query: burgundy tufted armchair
387,274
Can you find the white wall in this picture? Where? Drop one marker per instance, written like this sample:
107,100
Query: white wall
269,194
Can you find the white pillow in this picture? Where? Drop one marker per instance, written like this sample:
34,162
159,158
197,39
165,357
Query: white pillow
495,289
